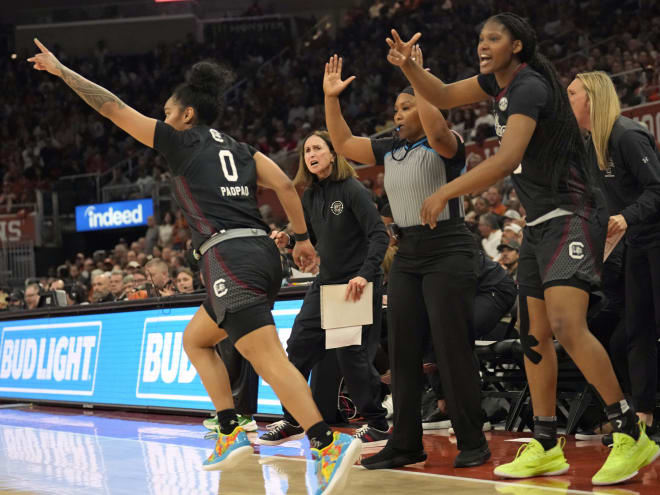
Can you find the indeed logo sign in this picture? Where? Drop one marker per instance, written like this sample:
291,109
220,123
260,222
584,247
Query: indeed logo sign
51,358
117,215
165,371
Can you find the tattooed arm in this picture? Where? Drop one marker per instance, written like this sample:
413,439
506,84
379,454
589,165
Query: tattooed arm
100,99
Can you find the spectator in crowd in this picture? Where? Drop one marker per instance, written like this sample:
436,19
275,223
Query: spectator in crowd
32,296
165,230
184,281
16,300
494,199
158,272
491,234
57,284
151,235
117,285
509,253
101,288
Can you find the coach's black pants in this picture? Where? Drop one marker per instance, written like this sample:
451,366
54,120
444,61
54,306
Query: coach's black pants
431,288
306,347
643,324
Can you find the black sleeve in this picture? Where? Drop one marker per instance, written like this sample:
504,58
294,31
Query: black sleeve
306,204
381,147
174,145
529,97
641,158
488,83
249,148
372,225
457,162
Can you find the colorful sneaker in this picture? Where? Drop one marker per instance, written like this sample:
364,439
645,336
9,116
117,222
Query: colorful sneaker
229,450
533,460
372,437
333,463
627,457
211,423
280,432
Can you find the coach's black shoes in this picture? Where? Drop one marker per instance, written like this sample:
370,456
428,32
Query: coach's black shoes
472,457
390,458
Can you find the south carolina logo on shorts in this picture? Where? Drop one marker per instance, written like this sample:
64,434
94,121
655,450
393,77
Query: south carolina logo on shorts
337,207
576,250
504,103
219,287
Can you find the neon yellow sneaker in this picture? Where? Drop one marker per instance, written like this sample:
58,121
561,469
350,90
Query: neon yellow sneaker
627,457
533,460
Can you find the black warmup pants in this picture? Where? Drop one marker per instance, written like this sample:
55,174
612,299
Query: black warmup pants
431,288
643,324
306,347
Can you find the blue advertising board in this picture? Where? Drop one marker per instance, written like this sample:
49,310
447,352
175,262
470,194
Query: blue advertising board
131,358
118,215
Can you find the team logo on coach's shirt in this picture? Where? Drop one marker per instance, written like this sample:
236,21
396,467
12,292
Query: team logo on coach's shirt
576,250
219,287
609,172
503,104
337,207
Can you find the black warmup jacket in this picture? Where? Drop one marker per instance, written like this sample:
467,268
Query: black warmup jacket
346,228
631,182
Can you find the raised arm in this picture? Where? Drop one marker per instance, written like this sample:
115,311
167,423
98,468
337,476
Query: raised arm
428,86
344,142
271,176
441,139
519,131
100,99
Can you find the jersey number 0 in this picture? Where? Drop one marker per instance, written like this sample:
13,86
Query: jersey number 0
228,165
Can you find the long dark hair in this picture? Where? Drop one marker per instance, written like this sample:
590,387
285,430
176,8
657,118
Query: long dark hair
564,136
205,83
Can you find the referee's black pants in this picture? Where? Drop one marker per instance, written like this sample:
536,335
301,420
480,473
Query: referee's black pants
306,347
431,288
643,324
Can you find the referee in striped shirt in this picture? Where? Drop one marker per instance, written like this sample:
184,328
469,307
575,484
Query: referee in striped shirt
432,282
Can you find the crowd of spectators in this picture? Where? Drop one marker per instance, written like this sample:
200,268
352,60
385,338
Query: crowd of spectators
48,132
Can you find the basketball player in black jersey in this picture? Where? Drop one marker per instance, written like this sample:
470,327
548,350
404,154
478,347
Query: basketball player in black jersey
215,180
562,250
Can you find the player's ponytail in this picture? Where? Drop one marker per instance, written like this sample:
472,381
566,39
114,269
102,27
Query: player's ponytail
204,86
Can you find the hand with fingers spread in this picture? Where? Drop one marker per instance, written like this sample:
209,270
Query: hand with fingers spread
432,207
400,51
45,60
332,83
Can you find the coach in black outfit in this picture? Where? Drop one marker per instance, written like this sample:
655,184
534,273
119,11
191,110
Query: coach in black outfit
344,224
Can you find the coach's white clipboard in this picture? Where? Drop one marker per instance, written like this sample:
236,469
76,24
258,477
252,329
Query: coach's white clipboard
342,320
337,312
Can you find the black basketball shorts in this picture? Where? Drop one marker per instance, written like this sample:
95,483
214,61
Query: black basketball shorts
242,277
566,250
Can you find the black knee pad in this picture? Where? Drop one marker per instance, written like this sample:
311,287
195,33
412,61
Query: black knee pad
526,340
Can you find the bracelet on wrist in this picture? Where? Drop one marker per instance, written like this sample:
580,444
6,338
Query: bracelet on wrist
301,237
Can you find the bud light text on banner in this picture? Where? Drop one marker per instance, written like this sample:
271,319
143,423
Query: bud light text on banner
116,215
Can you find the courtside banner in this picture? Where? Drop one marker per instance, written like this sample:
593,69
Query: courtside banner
133,358
118,215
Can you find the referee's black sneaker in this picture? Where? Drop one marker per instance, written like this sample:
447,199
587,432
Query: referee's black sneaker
280,432
390,458
472,457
